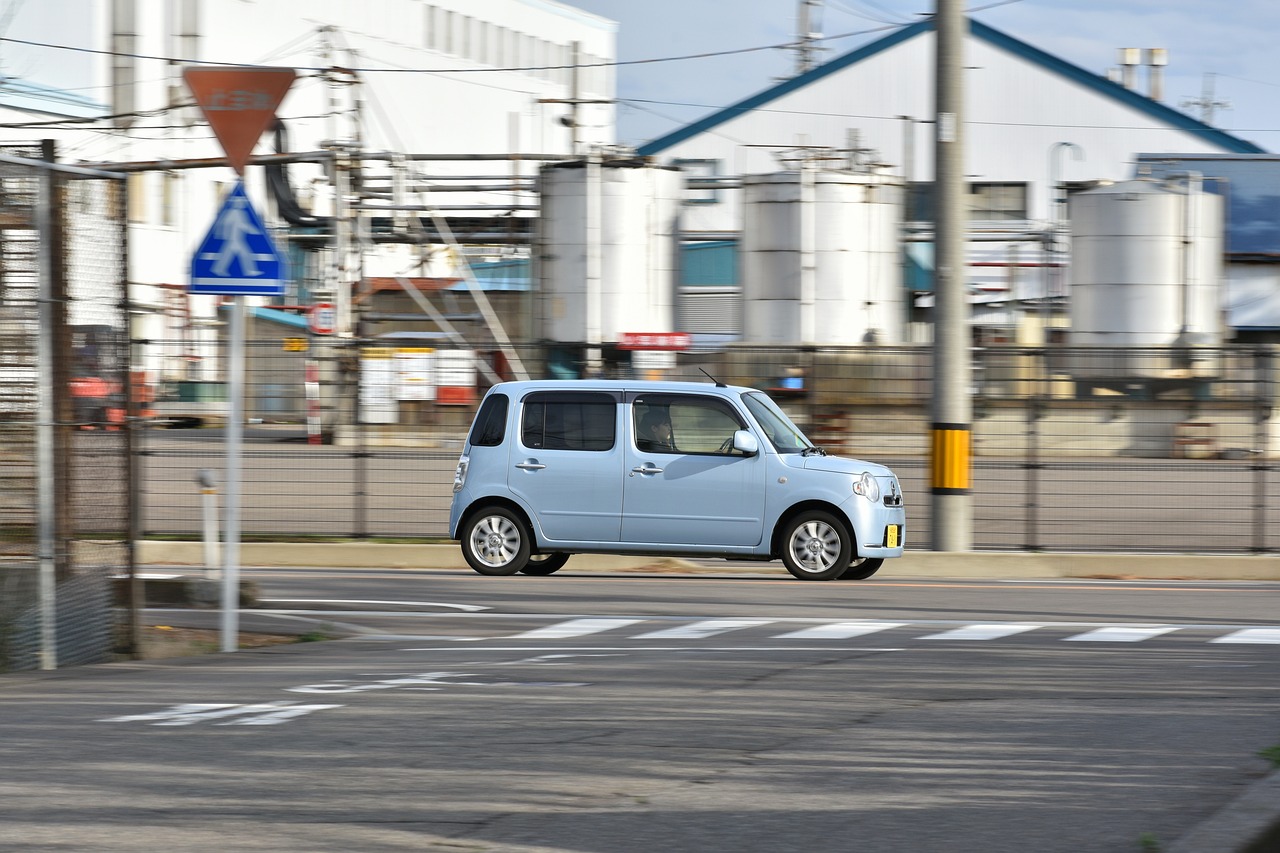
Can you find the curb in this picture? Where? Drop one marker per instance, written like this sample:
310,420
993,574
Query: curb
937,564
1249,824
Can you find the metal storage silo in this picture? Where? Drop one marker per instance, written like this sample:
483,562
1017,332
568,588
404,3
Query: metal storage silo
821,258
1146,271
606,249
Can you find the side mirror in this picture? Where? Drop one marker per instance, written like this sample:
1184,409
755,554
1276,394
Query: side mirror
745,443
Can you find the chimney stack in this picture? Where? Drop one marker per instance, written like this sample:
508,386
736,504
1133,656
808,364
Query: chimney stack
1130,59
1155,58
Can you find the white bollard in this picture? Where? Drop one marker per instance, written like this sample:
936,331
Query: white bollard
209,505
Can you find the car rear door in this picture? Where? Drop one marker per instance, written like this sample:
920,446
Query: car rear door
566,463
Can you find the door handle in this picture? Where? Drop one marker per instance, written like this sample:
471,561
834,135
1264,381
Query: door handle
531,466
645,469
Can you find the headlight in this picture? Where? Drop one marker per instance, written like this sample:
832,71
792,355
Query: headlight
867,486
460,473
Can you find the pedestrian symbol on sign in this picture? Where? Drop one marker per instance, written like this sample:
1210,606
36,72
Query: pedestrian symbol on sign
237,256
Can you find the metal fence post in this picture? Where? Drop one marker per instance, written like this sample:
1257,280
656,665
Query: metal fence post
1032,463
1264,410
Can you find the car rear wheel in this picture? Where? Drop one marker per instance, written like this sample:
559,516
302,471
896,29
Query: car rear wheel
862,568
495,542
545,564
816,546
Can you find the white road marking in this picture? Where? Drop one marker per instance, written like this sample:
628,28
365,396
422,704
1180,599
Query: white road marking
264,714
985,631
470,608
1251,635
575,628
840,630
698,630
1122,634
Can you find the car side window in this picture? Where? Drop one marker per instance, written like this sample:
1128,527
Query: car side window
569,420
490,427
684,424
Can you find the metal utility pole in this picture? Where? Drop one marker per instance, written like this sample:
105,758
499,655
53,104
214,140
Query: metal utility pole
1206,103
809,35
952,410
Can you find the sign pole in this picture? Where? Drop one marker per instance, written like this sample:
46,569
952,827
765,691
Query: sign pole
235,432
237,258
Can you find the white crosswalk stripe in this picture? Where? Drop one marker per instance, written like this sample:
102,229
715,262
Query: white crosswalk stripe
986,631
853,628
705,628
1251,635
840,630
1121,634
576,628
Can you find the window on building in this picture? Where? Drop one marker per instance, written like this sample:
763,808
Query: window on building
446,30
997,201
138,197
986,202
694,169
170,186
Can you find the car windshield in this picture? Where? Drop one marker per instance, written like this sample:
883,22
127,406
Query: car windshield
785,436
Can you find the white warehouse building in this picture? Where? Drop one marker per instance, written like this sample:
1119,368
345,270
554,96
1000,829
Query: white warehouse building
1032,122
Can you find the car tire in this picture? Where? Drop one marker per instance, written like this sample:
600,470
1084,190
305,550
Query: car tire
816,546
862,568
495,542
541,565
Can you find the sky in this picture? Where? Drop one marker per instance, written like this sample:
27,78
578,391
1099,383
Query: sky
1232,40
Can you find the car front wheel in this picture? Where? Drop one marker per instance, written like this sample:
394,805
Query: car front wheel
495,542
816,546
545,564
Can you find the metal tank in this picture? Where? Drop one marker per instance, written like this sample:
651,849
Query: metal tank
1146,271
606,249
822,259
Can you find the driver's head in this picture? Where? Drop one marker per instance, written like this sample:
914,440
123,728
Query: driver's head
656,425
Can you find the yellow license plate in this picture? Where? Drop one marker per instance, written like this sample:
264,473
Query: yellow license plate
891,536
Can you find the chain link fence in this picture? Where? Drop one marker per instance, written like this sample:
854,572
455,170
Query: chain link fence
1136,450
65,457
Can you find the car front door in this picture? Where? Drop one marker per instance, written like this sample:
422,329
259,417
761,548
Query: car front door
691,488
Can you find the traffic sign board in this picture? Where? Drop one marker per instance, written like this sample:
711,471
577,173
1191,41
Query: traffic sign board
237,256
239,103
323,317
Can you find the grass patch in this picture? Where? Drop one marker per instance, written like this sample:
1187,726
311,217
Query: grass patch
165,641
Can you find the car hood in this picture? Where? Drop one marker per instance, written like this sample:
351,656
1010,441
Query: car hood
837,465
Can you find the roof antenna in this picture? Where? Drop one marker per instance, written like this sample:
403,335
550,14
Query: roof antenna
719,384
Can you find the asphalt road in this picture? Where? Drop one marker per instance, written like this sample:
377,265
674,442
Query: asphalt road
586,712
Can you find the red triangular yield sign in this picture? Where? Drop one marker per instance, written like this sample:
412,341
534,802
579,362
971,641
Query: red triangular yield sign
238,103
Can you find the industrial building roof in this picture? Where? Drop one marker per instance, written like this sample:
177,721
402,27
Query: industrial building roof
1100,84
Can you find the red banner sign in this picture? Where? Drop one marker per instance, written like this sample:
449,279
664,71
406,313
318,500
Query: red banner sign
655,340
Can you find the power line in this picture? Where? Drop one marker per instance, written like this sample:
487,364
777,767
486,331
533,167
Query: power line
453,70
636,102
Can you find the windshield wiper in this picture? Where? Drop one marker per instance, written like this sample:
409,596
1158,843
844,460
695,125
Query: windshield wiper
813,451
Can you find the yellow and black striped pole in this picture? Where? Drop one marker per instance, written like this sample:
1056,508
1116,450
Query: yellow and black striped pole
951,525
949,462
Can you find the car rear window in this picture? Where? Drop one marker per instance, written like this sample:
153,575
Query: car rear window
490,427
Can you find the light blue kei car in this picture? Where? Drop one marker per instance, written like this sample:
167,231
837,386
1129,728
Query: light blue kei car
559,467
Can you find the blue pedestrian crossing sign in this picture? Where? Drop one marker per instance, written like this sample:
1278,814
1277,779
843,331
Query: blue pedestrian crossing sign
237,256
